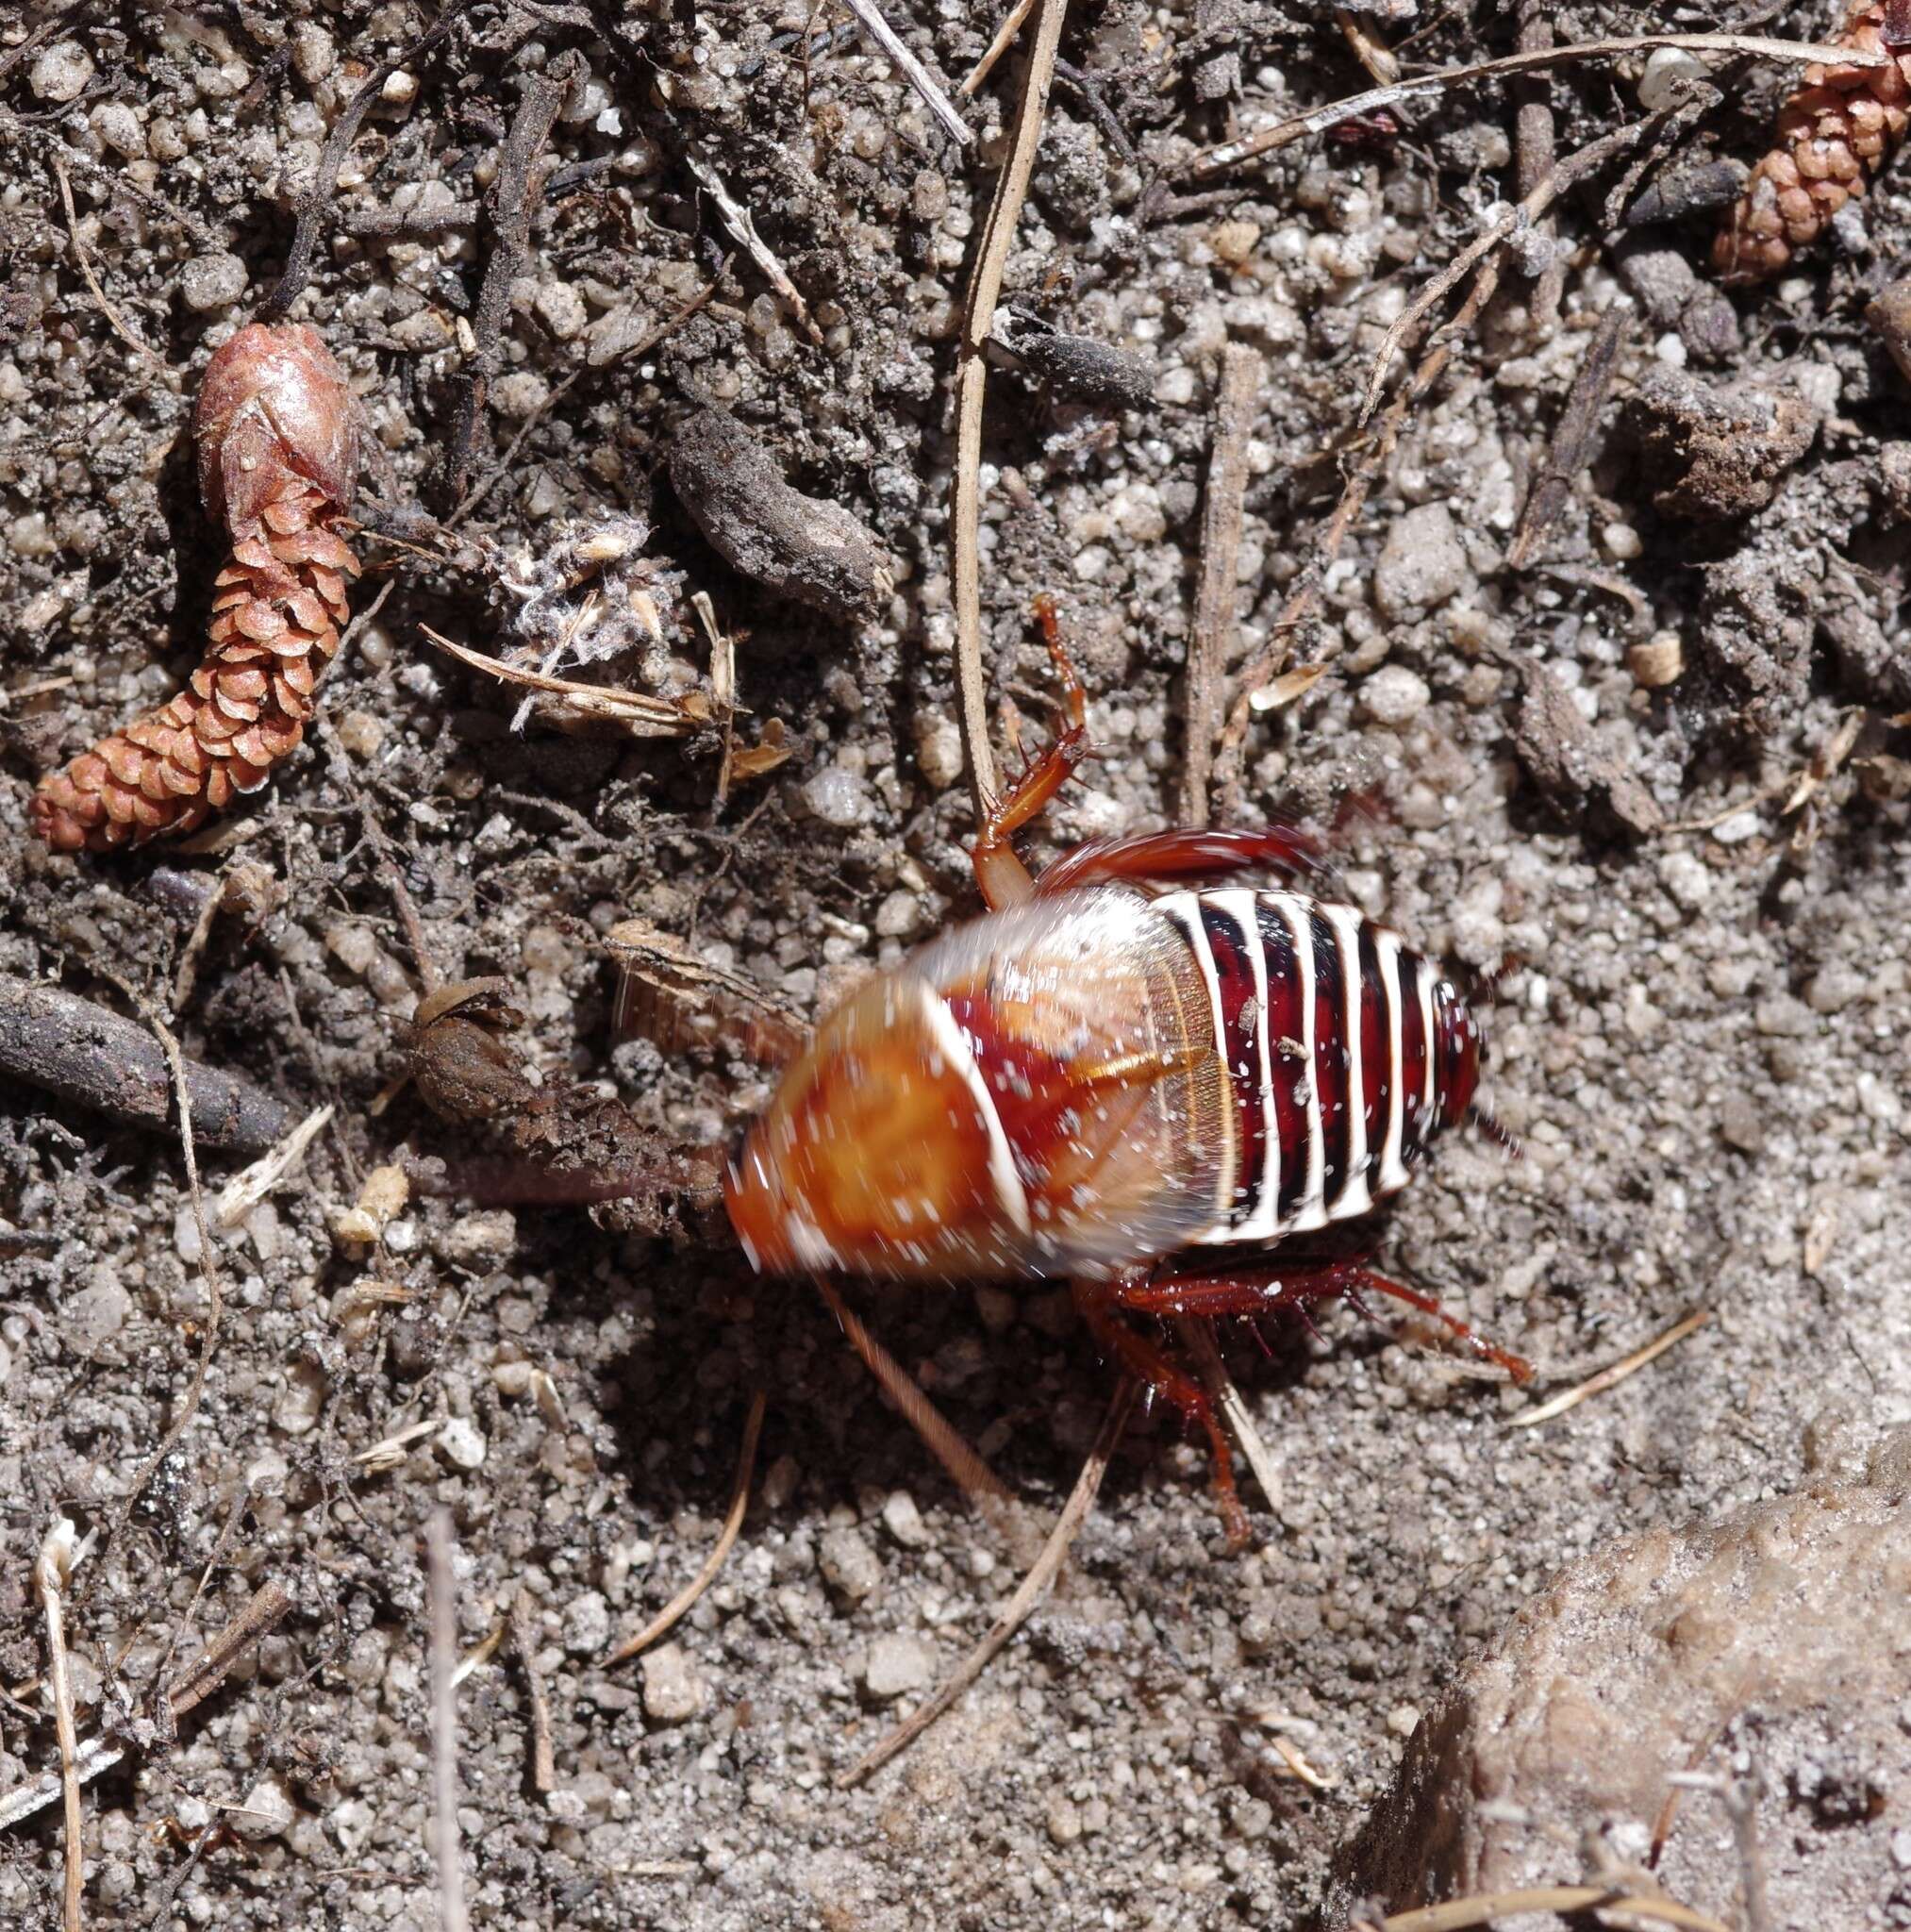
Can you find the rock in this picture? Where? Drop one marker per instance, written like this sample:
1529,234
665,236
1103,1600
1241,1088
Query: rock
849,1566
1718,451
60,74
211,282
896,1665
1421,564
1394,695
673,1692
1787,1617
586,1626
1569,764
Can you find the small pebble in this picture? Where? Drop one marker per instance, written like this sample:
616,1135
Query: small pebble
849,1566
462,1443
1666,72
938,750
1064,1820
60,74
1421,564
1657,661
897,1665
302,1399
839,798
312,52
1394,695
903,1521
586,1627
673,1690
266,1812
210,282
561,309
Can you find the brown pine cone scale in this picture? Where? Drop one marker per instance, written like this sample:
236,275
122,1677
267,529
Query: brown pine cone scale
277,464
1835,135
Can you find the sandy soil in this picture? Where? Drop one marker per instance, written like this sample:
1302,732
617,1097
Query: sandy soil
1703,1054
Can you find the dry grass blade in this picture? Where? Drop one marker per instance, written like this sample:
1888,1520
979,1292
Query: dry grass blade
1081,1500
1610,1379
166,373
1012,25
743,225
452,1915
51,1572
543,1755
1231,154
732,1524
642,714
911,70
250,1185
1459,1913
972,380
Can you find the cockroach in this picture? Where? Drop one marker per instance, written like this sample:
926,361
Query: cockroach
1138,1072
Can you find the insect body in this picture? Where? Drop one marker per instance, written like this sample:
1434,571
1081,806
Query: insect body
1131,1073
1084,1084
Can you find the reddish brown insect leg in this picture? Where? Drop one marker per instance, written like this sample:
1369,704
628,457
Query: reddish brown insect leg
1002,877
1190,854
1150,1364
1293,1284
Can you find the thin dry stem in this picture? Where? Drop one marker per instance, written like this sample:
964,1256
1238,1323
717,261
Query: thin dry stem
543,1757
50,1573
870,17
118,323
1004,39
1081,1500
1218,594
1612,1377
452,1915
642,715
668,1617
1214,160
208,1263
972,380
1459,1913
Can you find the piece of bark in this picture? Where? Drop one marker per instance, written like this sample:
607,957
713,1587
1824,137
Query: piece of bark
69,1047
1079,369
799,545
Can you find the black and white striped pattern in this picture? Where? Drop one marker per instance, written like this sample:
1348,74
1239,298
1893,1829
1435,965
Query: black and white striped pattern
1327,1025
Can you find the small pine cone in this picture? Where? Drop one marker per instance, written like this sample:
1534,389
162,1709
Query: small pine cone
1835,135
279,455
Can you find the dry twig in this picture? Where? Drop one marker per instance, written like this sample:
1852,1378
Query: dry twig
1216,160
1218,593
972,380
513,201
162,368
1081,1500
523,1640
641,714
870,17
970,1473
1610,1379
1571,439
733,1523
1460,1913
317,199
1004,39
743,225
452,1915
262,1612
51,1572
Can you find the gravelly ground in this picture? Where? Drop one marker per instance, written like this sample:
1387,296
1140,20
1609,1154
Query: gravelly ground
1703,1054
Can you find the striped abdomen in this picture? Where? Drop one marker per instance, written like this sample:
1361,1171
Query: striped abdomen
1345,1051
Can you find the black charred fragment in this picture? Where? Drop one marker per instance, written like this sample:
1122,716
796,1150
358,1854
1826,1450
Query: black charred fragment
1079,369
799,545
88,1054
